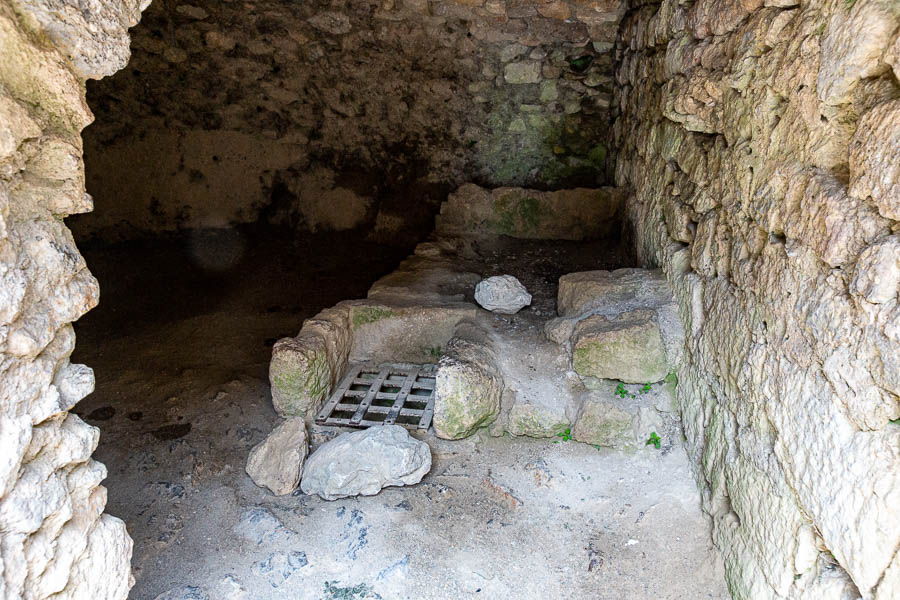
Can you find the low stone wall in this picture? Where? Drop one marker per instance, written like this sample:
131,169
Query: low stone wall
760,140
54,538
577,214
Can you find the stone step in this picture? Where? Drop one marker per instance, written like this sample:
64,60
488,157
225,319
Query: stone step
620,324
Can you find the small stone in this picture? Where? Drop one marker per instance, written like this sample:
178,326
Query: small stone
277,461
595,78
522,72
555,10
363,462
193,12
549,91
502,294
573,106
512,52
334,23
517,126
495,7
551,72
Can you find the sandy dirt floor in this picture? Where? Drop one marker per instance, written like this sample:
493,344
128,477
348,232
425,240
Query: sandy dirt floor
180,346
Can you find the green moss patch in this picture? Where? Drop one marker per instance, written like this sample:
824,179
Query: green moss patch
369,314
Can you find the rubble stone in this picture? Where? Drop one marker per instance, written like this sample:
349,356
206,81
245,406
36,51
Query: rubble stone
364,462
502,294
277,461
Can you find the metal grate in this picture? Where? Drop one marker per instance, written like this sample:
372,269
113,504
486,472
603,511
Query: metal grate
382,396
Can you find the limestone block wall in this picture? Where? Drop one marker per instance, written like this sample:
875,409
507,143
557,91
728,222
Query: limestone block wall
55,540
760,142
334,115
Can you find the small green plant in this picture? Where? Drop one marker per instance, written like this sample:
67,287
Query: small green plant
621,392
434,353
564,435
646,388
597,447
654,440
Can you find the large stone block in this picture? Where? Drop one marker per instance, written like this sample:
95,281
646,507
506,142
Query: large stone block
303,369
468,385
611,292
628,348
536,419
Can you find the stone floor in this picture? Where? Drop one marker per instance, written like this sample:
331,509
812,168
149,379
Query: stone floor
180,346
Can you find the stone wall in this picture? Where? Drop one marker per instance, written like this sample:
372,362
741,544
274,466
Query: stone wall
329,115
760,140
54,538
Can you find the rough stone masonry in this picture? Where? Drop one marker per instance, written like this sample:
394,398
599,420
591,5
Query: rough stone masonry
55,540
760,141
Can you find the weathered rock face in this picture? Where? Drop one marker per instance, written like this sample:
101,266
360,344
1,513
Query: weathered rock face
335,115
54,538
740,126
502,294
277,461
363,462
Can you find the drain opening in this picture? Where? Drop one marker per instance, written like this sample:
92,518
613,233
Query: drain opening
392,395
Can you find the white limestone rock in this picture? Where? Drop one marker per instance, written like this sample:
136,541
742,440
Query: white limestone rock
363,462
502,294
277,461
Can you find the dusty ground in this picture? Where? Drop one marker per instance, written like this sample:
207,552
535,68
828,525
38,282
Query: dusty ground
180,346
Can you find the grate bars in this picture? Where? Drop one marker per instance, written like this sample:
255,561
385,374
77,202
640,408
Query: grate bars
382,396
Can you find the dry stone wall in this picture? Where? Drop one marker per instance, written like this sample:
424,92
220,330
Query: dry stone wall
334,115
55,540
760,141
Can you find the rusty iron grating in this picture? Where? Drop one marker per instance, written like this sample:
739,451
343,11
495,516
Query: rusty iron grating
370,396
